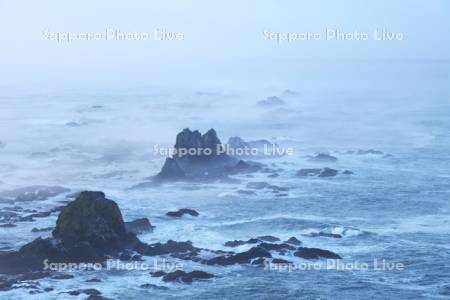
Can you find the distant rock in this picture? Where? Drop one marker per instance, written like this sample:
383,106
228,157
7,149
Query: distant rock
323,157
325,172
254,149
153,286
315,253
271,102
181,212
139,226
32,193
200,157
347,172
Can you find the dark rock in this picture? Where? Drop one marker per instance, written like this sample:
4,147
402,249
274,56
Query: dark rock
347,172
370,151
323,157
308,172
171,170
93,280
139,226
258,262
315,253
171,247
41,229
181,212
293,241
91,219
237,243
153,286
325,234
281,248
48,289
96,297
273,175
327,172
91,292
7,225
268,238
200,157
239,258
280,261
63,276
158,274
184,277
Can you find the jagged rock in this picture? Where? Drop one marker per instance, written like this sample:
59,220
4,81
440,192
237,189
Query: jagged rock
91,219
184,277
139,226
88,229
181,212
323,157
315,253
237,243
171,170
240,258
293,241
200,157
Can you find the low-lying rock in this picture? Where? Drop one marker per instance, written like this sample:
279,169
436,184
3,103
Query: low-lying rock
240,258
181,212
237,243
184,277
323,157
315,253
153,286
293,241
325,234
268,238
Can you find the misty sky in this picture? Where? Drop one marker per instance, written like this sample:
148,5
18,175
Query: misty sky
222,40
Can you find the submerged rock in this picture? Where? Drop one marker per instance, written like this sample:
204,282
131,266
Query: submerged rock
325,234
323,157
325,172
181,212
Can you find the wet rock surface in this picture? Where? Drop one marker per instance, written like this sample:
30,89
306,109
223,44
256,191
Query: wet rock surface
181,212
139,226
315,253
186,277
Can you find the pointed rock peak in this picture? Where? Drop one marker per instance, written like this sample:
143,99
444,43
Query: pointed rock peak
210,139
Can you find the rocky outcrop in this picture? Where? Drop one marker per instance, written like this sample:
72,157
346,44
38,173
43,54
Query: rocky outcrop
240,258
32,193
88,229
200,157
139,226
